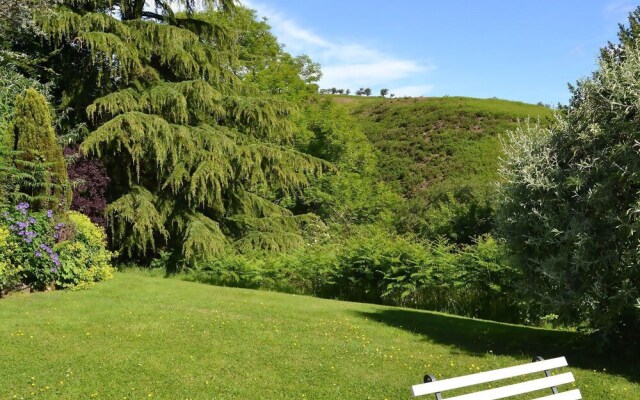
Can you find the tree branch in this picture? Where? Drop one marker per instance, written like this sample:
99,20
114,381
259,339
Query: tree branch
149,14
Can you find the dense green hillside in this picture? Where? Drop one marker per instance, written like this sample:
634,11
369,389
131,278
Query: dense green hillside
139,337
433,144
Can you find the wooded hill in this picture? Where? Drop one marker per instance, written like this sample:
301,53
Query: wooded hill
432,145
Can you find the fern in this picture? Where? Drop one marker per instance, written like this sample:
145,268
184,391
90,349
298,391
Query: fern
27,181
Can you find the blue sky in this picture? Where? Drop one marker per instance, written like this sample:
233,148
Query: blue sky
517,50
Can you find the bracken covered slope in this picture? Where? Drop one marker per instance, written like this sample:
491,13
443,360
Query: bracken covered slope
430,145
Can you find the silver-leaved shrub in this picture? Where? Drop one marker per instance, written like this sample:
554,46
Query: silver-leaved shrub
570,200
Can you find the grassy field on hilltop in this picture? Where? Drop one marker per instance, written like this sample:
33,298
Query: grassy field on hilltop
440,143
140,337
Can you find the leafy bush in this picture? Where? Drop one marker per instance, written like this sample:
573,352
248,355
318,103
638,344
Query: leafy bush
9,273
488,281
90,181
372,266
351,194
351,198
570,202
29,245
377,267
12,177
38,252
84,258
458,216
307,271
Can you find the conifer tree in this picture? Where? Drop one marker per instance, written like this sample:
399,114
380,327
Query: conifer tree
199,158
37,154
11,85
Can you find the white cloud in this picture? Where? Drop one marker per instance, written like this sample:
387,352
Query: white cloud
412,91
381,72
344,65
578,50
618,10
297,35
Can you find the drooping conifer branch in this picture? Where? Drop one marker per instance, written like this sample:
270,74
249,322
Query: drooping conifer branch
203,238
136,221
198,157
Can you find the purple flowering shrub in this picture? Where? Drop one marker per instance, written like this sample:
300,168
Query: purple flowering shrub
29,244
40,252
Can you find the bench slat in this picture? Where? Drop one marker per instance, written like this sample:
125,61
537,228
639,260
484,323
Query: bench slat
570,395
488,376
518,388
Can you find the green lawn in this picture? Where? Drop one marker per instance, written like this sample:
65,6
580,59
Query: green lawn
139,337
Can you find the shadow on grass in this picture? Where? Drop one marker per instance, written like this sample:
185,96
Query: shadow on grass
478,337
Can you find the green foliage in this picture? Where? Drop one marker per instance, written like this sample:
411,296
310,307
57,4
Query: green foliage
35,143
28,248
569,202
18,168
39,253
459,217
352,194
10,274
188,141
474,280
16,29
348,198
442,155
261,59
375,266
372,266
488,281
84,258
12,84
22,180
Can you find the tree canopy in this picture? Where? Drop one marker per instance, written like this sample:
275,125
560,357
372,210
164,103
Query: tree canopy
570,204
199,154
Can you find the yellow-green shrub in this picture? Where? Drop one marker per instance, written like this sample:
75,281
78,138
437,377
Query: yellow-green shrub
9,274
84,259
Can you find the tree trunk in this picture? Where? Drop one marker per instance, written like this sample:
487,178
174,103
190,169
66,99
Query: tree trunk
132,9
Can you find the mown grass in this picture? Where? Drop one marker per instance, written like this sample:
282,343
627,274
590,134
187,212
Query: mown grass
430,145
140,337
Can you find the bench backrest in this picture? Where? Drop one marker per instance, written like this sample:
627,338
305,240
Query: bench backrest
550,381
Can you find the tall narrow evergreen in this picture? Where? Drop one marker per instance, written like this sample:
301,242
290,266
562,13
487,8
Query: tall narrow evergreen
198,158
37,154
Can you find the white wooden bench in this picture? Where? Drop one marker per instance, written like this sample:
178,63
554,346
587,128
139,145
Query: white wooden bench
431,386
